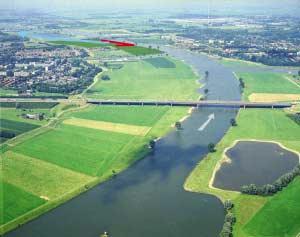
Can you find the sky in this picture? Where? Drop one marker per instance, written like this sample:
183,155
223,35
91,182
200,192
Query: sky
280,5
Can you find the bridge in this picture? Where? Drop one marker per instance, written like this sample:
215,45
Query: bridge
204,103
198,104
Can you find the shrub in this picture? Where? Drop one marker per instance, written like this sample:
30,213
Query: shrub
211,147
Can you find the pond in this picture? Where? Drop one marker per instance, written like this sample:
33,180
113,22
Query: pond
254,162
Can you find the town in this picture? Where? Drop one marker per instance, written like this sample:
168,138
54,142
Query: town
273,41
32,67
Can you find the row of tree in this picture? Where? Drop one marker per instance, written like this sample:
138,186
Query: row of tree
271,189
229,221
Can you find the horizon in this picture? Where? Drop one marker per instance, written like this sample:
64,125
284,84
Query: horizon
188,6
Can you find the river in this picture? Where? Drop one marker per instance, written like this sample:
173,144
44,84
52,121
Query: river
148,198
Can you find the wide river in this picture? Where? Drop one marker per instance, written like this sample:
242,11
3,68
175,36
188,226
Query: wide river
148,199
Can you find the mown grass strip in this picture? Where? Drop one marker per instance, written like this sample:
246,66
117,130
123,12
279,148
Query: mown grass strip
106,126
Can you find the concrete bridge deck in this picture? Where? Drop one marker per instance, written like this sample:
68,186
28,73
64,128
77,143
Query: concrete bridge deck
205,103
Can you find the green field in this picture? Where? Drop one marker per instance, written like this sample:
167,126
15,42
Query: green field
141,80
29,173
272,83
15,202
160,62
140,51
87,155
280,216
147,116
236,63
258,124
17,127
79,44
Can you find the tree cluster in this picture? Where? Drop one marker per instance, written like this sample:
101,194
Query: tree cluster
271,189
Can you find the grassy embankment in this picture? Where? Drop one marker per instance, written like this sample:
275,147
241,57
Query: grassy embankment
270,87
159,80
256,216
57,162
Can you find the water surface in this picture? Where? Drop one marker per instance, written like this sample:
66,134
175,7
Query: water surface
254,162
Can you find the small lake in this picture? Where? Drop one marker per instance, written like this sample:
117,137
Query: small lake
254,162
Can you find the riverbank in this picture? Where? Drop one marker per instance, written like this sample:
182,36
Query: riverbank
267,125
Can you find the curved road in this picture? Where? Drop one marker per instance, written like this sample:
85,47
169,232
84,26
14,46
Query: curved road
148,199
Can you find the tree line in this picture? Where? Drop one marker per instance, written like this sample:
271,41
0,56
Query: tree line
271,189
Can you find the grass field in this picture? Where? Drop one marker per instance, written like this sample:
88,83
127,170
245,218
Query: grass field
265,97
268,83
80,149
252,124
29,173
160,62
135,115
79,44
236,63
107,126
280,216
141,80
140,51
15,202
18,127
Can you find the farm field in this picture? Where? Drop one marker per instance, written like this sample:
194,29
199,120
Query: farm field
15,202
107,126
139,51
13,124
274,84
160,62
147,116
87,155
141,80
280,216
265,125
77,157
82,44
29,173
